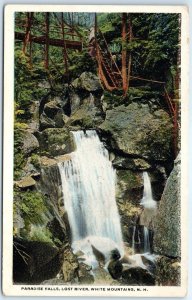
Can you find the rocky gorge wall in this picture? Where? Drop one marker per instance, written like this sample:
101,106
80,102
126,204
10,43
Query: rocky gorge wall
138,136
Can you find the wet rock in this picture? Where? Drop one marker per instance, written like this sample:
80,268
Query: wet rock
70,264
168,217
87,81
135,130
30,143
115,269
34,261
84,274
137,276
168,271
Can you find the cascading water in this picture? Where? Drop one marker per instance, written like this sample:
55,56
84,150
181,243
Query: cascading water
150,207
146,240
147,200
88,185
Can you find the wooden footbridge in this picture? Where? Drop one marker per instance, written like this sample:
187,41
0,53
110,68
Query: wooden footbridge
30,30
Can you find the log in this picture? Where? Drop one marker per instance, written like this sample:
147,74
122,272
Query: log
76,45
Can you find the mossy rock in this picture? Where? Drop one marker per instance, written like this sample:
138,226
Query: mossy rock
86,117
168,271
135,130
168,216
56,141
87,81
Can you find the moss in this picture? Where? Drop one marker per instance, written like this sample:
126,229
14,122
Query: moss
130,178
32,207
35,160
128,209
41,234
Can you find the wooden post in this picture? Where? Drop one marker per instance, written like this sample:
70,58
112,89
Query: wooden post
65,56
27,34
130,58
47,40
124,53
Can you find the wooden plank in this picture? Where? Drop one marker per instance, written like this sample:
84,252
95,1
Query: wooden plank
76,45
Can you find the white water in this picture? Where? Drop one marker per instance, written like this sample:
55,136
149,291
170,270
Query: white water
146,240
88,185
147,200
133,240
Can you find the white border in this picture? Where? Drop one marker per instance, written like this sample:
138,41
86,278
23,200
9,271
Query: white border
12,290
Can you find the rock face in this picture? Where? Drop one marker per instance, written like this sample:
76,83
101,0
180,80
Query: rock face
168,271
168,217
136,130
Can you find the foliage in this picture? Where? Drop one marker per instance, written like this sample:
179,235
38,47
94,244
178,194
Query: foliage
81,62
19,159
42,234
154,44
32,206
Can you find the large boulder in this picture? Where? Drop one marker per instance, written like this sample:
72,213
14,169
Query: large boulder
34,261
46,122
87,81
87,116
137,276
168,216
136,130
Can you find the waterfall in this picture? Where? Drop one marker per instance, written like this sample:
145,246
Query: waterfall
146,240
147,200
88,185
133,240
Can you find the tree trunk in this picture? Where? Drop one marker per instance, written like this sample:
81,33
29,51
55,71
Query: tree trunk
124,53
47,41
65,56
28,29
130,58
